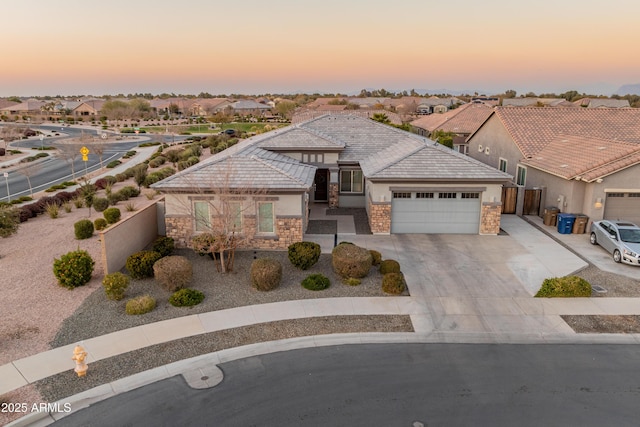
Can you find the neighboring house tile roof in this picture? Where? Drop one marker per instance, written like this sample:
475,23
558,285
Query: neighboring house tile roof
6,103
295,138
29,105
602,103
248,104
533,128
306,115
531,102
462,120
577,157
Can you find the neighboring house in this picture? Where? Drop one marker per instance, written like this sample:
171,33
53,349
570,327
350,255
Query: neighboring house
462,121
31,106
536,102
434,104
406,183
4,103
602,103
303,115
586,160
248,107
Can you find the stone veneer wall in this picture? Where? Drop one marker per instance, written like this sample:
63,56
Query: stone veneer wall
379,217
490,218
333,195
288,230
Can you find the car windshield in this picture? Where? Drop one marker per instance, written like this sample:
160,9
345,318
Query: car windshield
630,235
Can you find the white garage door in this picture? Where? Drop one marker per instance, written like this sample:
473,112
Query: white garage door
437,212
624,206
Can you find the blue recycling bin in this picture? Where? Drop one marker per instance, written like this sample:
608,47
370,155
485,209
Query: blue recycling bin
565,223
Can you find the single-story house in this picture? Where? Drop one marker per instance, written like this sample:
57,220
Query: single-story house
587,160
406,183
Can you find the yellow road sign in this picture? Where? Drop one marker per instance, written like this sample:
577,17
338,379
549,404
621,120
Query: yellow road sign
84,151
85,158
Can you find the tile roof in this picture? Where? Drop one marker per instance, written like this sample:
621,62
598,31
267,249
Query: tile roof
296,138
533,128
577,157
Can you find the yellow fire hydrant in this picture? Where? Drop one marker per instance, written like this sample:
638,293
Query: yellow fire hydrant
79,355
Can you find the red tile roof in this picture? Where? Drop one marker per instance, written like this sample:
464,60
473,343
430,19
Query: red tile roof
462,120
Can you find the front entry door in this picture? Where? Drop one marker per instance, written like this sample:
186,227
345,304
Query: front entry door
321,184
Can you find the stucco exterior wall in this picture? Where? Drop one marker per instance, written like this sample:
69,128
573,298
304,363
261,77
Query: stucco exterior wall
494,136
125,237
559,188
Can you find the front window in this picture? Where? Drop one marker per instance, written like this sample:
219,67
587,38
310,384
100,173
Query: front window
202,216
521,175
265,217
351,181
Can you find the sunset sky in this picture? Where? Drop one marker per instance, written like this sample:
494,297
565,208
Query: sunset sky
82,47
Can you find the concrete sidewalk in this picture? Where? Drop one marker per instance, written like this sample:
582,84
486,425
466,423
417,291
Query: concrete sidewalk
485,296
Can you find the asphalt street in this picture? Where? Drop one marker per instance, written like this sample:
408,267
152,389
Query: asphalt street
409,385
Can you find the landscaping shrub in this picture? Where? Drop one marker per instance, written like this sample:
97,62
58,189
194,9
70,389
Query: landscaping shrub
115,285
266,274
129,191
393,283
140,305
53,210
304,254
112,215
83,229
74,268
140,264
112,164
352,281
567,286
78,202
316,282
100,204
389,266
376,257
163,245
157,161
350,260
172,272
186,297
100,224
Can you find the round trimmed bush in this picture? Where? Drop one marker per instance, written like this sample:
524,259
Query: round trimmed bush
140,305
112,215
304,254
74,268
352,281
316,282
393,283
100,204
172,272
83,229
140,264
389,266
350,260
376,257
567,286
186,297
115,285
164,245
266,274
100,224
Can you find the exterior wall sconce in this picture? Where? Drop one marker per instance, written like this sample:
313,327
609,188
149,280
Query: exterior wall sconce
598,204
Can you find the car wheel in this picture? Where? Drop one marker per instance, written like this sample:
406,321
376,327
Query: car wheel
593,239
616,256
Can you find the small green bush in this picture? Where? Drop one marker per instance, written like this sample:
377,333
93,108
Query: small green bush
140,305
112,164
83,229
266,274
186,297
164,245
115,285
100,204
393,283
100,224
112,215
567,286
389,266
173,272
128,192
140,264
352,281
376,257
74,268
316,282
350,260
304,254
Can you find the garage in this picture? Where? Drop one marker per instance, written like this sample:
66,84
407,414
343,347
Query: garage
624,206
437,212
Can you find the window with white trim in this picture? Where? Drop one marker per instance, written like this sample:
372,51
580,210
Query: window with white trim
502,164
202,215
351,181
265,218
521,175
